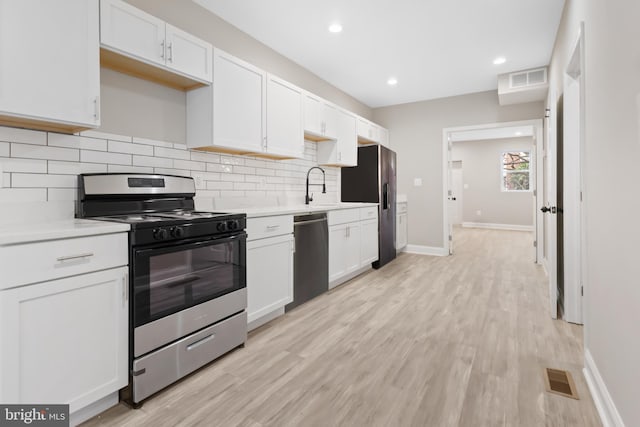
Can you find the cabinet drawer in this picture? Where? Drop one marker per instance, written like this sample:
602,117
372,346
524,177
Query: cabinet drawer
40,261
342,216
401,207
369,213
269,226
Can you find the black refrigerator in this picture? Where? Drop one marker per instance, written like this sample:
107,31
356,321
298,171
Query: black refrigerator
374,181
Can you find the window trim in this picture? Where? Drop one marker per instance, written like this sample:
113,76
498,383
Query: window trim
503,171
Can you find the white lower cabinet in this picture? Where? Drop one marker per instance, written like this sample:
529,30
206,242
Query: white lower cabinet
353,242
402,228
269,266
65,341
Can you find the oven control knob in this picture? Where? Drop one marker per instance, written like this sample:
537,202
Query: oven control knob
177,232
221,226
160,234
233,224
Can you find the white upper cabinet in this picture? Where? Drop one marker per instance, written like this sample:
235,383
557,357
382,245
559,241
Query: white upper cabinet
369,132
320,118
285,136
344,150
50,64
133,39
237,102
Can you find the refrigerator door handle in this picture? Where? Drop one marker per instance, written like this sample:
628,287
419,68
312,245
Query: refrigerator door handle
385,196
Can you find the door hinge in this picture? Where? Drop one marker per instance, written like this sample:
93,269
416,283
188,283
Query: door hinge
581,196
450,192
450,237
581,291
535,243
535,193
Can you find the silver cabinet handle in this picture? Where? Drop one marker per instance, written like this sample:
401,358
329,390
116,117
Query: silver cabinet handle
162,49
200,342
170,52
96,108
72,257
125,289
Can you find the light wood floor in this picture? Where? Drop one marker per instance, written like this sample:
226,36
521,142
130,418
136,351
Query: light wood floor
425,341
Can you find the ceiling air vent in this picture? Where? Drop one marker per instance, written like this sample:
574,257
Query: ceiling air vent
528,78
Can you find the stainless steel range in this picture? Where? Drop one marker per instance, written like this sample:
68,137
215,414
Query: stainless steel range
187,275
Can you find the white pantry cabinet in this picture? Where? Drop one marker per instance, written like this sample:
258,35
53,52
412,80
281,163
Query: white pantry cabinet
50,64
65,340
344,150
320,118
129,33
270,249
253,112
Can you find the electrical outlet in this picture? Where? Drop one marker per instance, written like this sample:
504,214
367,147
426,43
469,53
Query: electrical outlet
465,186
199,182
479,212
417,182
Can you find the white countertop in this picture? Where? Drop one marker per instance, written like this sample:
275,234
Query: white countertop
61,229
296,209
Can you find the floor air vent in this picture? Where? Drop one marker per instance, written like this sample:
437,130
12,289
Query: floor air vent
560,382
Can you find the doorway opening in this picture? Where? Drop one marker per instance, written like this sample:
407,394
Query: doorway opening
491,179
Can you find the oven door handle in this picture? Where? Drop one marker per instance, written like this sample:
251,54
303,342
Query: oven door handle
183,281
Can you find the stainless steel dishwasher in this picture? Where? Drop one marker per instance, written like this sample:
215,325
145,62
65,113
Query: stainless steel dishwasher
311,258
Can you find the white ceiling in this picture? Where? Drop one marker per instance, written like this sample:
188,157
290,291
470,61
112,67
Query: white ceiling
435,48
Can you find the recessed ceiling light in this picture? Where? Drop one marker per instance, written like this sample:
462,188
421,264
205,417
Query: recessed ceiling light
335,28
499,60
392,81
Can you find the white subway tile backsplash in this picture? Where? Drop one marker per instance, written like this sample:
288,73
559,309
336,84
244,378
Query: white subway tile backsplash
188,164
199,156
74,141
23,136
171,153
25,151
129,148
152,142
34,171
23,195
215,167
156,162
62,194
23,165
105,135
219,185
5,179
129,169
104,157
40,180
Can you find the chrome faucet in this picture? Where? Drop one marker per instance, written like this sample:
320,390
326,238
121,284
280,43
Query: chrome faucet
308,198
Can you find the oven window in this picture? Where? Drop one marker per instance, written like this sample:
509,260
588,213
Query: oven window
171,279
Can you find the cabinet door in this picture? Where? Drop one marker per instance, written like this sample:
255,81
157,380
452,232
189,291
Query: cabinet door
369,242
313,115
65,341
269,275
347,139
131,31
285,135
384,137
188,54
364,129
238,103
50,61
337,251
330,121
402,231
352,250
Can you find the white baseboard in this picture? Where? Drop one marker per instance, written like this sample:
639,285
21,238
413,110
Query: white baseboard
607,410
425,250
511,227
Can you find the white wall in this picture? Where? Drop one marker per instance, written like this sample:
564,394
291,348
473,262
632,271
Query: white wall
416,136
131,106
612,146
482,176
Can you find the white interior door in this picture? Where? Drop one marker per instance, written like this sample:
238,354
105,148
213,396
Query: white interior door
572,230
455,202
449,194
550,220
